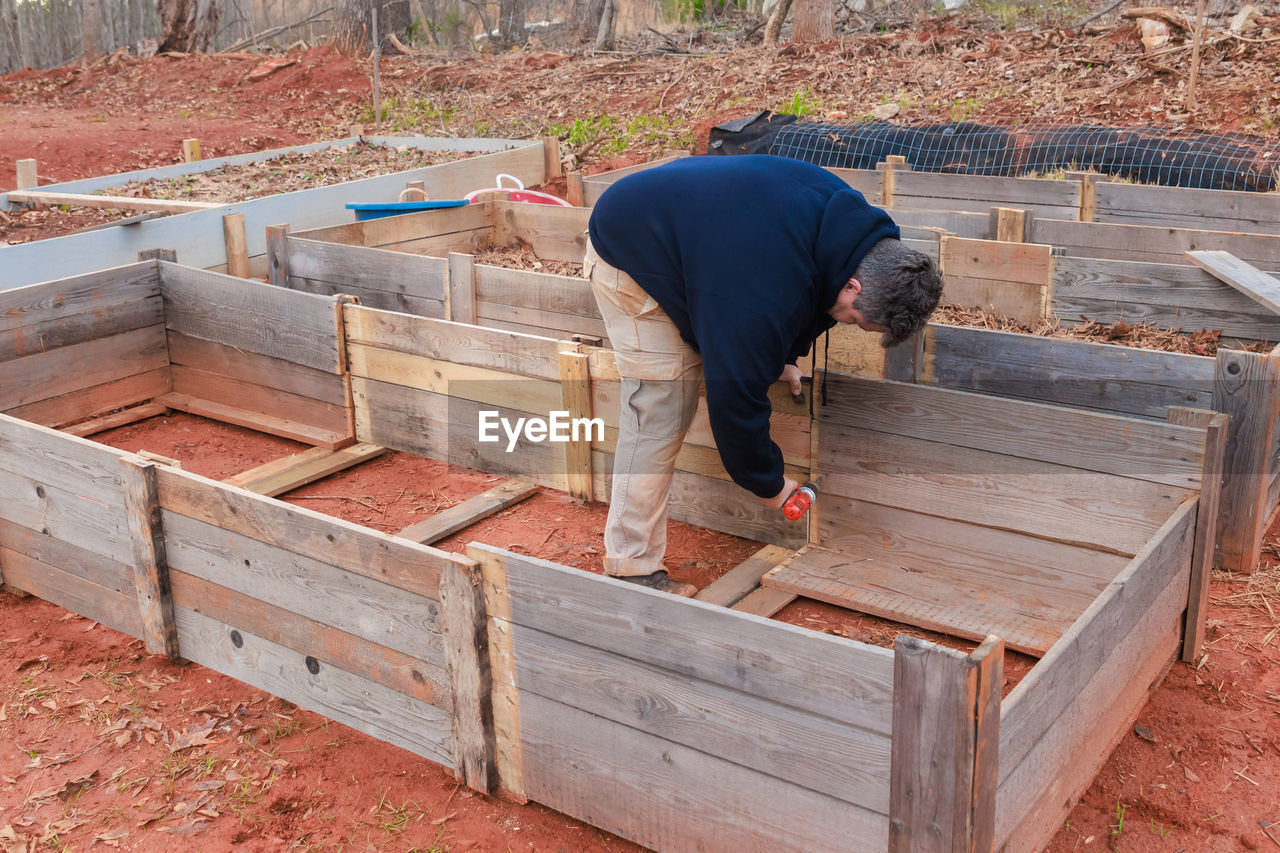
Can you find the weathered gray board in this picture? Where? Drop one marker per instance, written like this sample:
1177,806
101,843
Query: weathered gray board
197,237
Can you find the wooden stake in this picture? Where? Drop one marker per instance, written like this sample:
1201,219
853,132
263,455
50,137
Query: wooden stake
552,166
1009,224
191,150
233,235
575,393
150,567
27,177
278,254
888,183
1195,56
460,296
466,657
573,190
1088,193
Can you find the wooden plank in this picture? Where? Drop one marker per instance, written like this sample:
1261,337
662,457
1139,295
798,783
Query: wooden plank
1081,652
380,299
935,190
1011,224
946,722
95,568
905,362
460,292
362,268
744,578
647,783
54,300
447,522
550,323
1016,300
150,566
1217,210
382,712
253,419
70,592
831,676
270,403
391,231
1151,244
273,321
370,553
253,368
277,237
1201,296
537,291
1247,389
116,419
934,599
575,395
96,399
72,516
237,245
420,679
1207,520
1088,193
79,328
553,232
466,656
456,342
1103,511
1244,277
28,177
764,601
840,760
298,469
42,376
1160,453
1247,328
114,202
504,695
331,595
50,457
1105,377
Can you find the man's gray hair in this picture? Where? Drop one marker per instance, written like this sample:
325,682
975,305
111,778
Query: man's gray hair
900,289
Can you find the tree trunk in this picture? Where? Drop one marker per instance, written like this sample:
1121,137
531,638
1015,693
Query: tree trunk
608,20
511,21
351,23
188,26
814,22
91,25
774,27
584,18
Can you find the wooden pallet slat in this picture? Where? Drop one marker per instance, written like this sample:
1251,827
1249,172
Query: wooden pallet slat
1244,277
298,469
444,524
744,578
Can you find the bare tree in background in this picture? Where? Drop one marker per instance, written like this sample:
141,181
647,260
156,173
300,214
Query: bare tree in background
91,28
608,24
511,21
188,26
584,18
814,21
351,23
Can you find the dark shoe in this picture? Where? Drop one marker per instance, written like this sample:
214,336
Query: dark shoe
662,582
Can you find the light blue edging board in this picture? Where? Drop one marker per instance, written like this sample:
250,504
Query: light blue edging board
197,236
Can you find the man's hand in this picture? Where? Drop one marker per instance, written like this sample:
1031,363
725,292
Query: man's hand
791,375
788,486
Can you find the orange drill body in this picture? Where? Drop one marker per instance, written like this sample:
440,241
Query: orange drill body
800,501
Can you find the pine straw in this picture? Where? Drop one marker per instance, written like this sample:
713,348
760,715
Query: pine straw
1258,591
522,257
1141,335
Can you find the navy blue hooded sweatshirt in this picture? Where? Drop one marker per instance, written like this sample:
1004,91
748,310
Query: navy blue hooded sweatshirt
746,255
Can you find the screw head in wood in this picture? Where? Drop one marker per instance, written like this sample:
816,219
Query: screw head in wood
313,665
237,640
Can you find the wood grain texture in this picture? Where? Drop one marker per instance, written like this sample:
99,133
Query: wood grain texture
52,457
504,693
249,315
819,673
271,403
405,565
461,516
298,469
744,578
549,323
251,367
1153,244
150,564
114,202
116,419
1207,520
536,291
81,562
1247,389
102,322
764,601
1155,452
945,705
420,679
553,232
1218,210
45,375
278,255
466,656
354,269
460,295
237,244
96,399
575,396
70,591
256,420
69,515
1243,276
364,705
937,191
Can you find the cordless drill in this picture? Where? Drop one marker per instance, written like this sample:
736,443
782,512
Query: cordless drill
800,501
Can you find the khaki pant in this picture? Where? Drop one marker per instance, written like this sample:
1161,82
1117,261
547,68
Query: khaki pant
661,379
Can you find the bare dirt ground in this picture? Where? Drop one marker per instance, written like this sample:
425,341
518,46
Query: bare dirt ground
102,745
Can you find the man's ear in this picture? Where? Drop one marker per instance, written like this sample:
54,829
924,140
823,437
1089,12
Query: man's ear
854,285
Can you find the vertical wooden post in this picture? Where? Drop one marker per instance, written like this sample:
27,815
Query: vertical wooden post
1088,193
191,150
150,567
946,733
344,364
28,179
903,362
1246,387
508,757
1009,224
888,182
1207,517
552,167
460,304
573,189
575,394
237,243
466,657
278,255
